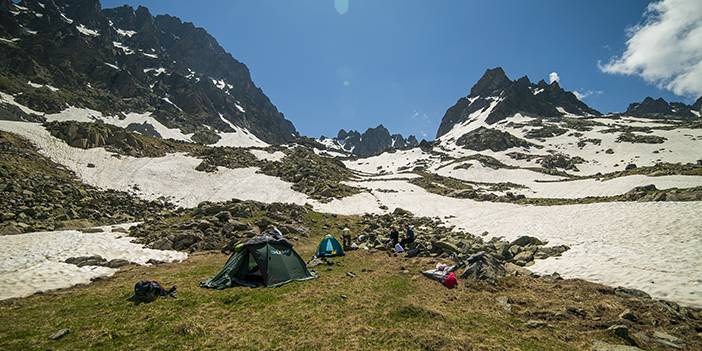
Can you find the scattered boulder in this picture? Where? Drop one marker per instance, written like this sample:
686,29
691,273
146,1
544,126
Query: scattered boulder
484,267
59,334
527,240
117,263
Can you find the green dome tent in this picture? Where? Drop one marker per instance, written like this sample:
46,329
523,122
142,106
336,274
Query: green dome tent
329,247
265,260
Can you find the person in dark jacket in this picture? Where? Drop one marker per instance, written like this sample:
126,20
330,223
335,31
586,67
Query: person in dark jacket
409,237
394,236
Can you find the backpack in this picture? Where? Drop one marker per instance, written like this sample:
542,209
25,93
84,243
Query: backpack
150,290
450,281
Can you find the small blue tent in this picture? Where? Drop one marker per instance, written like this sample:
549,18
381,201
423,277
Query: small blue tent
329,247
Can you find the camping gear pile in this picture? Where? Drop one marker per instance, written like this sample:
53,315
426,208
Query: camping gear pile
265,260
484,260
443,274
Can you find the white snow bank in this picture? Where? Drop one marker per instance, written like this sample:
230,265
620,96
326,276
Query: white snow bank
652,246
240,137
265,155
545,186
9,99
33,262
87,115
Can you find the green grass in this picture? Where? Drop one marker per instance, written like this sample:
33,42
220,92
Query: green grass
381,308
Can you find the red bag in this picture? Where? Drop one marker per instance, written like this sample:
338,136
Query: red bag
450,281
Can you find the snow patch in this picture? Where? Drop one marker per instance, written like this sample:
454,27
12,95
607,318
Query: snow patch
156,71
125,33
268,156
37,85
87,31
127,50
34,262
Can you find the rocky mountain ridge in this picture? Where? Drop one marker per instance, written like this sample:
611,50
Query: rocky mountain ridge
371,142
505,98
74,53
659,108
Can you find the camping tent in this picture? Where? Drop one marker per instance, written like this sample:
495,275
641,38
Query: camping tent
329,247
265,260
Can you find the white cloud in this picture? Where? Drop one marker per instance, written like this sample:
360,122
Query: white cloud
553,77
666,49
584,94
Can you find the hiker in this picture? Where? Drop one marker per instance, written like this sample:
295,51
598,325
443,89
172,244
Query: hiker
394,238
346,238
409,236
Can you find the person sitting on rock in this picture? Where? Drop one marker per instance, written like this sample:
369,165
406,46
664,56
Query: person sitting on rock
394,238
346,238
409,237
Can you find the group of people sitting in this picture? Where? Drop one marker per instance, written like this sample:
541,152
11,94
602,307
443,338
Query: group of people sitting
394,237
392,242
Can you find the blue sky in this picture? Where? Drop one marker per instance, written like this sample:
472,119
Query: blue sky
402,63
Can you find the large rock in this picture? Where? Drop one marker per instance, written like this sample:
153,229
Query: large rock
87,261
183,241
527,240
484,267
482,139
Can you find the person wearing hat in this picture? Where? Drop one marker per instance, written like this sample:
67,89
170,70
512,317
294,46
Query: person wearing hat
346,238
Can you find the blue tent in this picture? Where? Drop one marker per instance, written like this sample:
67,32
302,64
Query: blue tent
329,247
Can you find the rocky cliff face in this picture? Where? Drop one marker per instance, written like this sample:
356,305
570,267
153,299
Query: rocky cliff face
659,108
503,98
372,142
72,52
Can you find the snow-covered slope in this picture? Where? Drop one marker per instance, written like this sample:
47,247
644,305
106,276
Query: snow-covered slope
618,243
34,262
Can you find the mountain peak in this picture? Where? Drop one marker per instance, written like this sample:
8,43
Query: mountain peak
493,80
372,142
520,96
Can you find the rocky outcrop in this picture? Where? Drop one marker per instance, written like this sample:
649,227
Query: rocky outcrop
372,142
90,135
126,60
659,108
484,260
505,98
491,139
315,175
221,225
39,195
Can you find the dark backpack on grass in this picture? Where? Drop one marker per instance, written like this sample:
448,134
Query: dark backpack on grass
149,291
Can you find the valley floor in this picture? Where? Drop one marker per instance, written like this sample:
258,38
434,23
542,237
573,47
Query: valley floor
387,305
652,246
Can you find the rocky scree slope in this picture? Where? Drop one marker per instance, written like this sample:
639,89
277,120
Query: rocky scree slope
318,176
73,52
37,194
